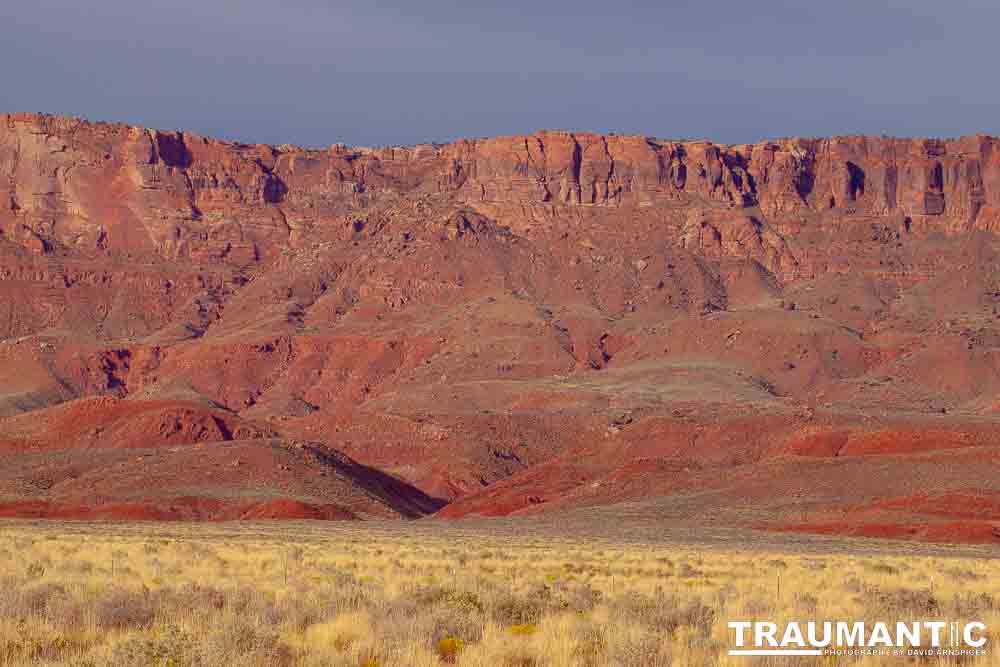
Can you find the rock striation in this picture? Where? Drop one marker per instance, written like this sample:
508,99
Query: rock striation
503,325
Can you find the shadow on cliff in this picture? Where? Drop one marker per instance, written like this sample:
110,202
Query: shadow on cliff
173,150
408,500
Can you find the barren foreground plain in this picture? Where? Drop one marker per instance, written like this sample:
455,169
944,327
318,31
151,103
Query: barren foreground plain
578,589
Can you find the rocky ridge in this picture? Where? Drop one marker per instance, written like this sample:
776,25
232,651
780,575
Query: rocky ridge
511,324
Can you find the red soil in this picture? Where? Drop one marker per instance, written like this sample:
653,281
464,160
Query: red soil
177,509
107,422
970,532
958,504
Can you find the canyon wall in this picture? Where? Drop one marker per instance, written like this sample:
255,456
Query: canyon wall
106,187
507,325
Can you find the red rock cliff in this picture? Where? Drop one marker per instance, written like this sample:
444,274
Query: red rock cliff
108,187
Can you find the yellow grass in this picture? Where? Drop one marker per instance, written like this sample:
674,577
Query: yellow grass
271,595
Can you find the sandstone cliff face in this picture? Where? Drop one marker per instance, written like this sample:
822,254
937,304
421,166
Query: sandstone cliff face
526,322
956,181
100,187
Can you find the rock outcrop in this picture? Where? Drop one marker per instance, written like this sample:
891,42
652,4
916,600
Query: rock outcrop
510,324
93,187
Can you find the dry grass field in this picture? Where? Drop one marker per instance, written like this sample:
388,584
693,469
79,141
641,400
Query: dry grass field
378,595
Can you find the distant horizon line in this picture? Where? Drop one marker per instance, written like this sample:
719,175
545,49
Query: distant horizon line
538,131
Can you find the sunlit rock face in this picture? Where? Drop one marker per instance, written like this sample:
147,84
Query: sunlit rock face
508,324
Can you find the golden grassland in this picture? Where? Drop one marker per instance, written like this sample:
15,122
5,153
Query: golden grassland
89,595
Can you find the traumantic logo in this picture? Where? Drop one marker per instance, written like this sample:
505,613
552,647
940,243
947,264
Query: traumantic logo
857,638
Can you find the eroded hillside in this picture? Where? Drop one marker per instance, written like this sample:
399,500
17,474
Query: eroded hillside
799,334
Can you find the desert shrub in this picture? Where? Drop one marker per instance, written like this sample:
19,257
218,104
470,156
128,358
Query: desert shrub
695,615
350,593
516,610
451,622
919,603
758,606
240,641
38,599
170,647
241,600
460,600
664,614
448,648
269,613
10,588
299,612
63,610
642,651
193,597
518,657
807,602
689,572
195,550
724,595
853,585
974,605
34,644
121,609
400,620
963,573
881,568
429,614
35,570
591,644
579,598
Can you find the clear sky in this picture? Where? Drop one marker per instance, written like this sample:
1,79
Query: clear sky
406,71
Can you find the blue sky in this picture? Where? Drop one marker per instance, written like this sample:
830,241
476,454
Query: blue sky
398,72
